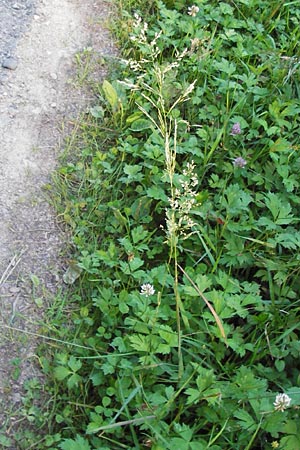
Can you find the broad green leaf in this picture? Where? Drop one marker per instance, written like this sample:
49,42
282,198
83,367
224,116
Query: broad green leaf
111,94
61,373
168,335
290,443
280,145
141,125
294,393
134,117
97,112
72,273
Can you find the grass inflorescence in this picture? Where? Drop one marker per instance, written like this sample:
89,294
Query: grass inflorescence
183,206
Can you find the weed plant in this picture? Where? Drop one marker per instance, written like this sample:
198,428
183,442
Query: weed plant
184,210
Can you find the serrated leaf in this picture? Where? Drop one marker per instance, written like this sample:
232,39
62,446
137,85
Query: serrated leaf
107,368
78,444
157,193
93,427
169,392
73,381
140,343
280,210
139,234
193,395
74,364
61,373
245,420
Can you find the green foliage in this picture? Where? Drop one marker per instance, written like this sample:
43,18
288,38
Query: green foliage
75,444
185,225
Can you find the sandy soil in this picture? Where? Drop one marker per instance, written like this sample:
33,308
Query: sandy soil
37,101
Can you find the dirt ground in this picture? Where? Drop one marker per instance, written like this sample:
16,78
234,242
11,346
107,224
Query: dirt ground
39,97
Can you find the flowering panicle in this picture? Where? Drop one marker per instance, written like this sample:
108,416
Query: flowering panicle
182,202
140,27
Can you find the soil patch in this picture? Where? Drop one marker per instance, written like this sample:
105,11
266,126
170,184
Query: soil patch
38,101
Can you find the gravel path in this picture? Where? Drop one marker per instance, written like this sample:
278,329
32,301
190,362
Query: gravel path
14,17
38,98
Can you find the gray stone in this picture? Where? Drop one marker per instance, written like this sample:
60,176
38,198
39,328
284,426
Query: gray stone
10,63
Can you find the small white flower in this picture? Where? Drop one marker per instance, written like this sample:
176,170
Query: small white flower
147,290
193,10
282,402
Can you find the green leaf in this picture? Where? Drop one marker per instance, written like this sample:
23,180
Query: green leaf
294,393
93,427
111,94
61,373
280,210
290,443
157,193
139,234
72,273
141,125
140,343
280,145
123,308
73,381
107,368
133,172
168,335
279,364
193,395
245,420
97,112
248,383
74,364
78,444
236,200
135,264
5,441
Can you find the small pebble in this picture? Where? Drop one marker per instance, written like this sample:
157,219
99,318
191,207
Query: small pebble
10,63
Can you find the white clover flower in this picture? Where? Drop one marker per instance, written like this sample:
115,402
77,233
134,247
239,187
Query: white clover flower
282,402
147,289
193,10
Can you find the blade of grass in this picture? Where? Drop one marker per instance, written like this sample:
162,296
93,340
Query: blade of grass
212,310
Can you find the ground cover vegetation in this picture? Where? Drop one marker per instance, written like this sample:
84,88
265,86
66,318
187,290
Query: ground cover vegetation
182,323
